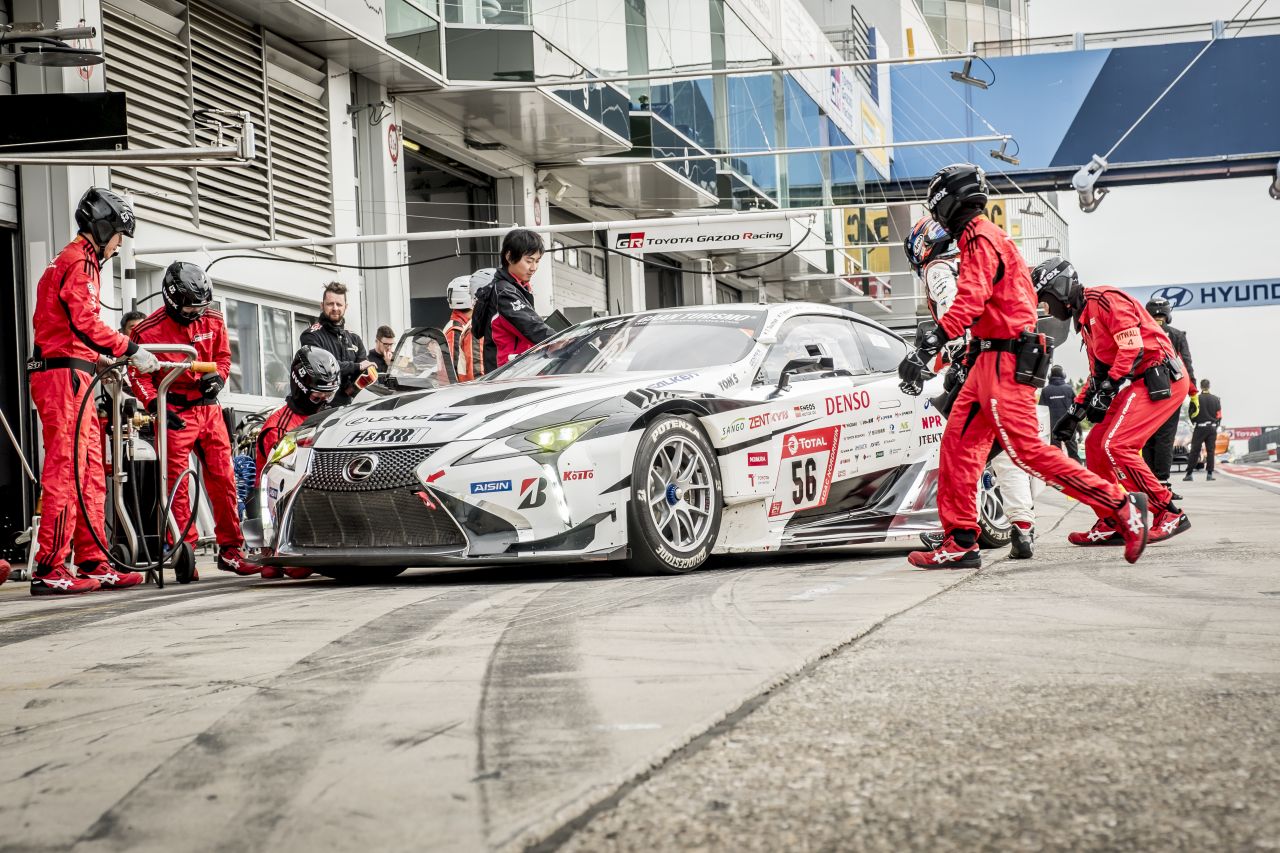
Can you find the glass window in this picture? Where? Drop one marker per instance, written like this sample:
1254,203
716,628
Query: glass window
678,34
935,7
557,251
571,257
809,337
725,293
752,128
592,33
484,12
242,330
413,32
883,352
277,350
957,35
844,169
803,124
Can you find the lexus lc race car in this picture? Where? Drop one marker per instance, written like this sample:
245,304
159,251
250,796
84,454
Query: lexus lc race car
656,438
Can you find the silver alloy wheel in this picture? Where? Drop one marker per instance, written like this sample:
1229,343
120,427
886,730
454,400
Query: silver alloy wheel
680,493
990,504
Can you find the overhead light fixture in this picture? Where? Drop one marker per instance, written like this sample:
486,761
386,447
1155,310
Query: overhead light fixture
47,48
411,145
1085,183
555,186
1275,183
1002,155
477,145
965,75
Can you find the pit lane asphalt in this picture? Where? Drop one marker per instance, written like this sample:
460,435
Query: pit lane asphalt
496,709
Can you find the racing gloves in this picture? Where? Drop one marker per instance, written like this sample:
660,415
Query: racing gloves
211,385
1065,428
144,361
172,419
912,368
1104,393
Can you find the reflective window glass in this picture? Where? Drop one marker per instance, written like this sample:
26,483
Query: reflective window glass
803,124
277,350
752,128
242,332
413,32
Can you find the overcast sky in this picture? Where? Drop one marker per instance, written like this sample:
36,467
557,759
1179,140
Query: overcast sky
1205,231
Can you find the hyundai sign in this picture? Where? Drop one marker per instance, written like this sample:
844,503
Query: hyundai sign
1221,294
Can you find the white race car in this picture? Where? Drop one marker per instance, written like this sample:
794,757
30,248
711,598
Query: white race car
656,438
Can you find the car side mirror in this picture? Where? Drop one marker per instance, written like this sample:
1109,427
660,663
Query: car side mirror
808,364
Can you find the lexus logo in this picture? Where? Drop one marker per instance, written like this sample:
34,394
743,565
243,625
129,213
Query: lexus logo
1177,296
360,468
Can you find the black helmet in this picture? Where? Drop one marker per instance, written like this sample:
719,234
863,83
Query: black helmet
1058,371
313,379
956,194
103,214
1158,306
1058,286
186,286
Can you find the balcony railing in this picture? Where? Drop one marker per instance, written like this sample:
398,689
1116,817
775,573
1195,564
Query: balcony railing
1126,38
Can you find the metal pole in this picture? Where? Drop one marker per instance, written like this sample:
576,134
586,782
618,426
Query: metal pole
467,233
812,149
128,269
698,74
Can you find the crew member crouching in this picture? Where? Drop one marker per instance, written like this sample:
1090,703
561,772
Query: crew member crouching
314,377
195,421
1125,345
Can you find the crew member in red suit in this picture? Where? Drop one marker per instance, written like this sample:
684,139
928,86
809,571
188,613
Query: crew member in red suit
195,422
314,377
69,337
996,301
510,325
1137,382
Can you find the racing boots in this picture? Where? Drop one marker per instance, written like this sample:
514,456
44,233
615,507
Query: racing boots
232,559
106,576
59,581
1133,522
1103,532
297,572
948,555
1168,524
1022,538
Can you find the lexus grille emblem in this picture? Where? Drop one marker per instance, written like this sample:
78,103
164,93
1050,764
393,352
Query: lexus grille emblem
360,468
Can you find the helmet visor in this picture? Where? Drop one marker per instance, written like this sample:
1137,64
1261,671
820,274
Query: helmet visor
321,396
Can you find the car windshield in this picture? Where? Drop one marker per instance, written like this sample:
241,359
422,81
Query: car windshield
667,340
420,361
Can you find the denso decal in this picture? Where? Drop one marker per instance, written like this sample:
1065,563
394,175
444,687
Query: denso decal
490,486
391,435
851,402
756,459
577,475
932,422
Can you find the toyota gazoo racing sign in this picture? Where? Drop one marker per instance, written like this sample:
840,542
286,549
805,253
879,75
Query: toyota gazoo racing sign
754,234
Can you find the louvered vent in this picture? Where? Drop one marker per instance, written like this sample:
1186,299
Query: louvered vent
229,74
298,136
146,51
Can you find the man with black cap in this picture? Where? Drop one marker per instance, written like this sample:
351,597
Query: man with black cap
1205,411
1158,451
1057,397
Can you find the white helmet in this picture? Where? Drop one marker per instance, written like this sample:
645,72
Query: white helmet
461,291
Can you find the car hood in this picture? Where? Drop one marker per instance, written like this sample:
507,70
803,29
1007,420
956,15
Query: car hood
479,410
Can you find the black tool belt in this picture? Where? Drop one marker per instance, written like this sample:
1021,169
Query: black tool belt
1207,424
180,402
36,364
997,344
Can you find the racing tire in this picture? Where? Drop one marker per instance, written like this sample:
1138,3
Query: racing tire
673,516
369,574
184,563
994,527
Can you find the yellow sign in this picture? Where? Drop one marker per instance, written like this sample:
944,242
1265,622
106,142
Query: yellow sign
867,226
996,213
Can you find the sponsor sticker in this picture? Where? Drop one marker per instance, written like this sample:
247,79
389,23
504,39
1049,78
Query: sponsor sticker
765,419
533,492
805,410
390,435
932,422
808,464
931,438
489,486
758,458
737,425
577,475
851,402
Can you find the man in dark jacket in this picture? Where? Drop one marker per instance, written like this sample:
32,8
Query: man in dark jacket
330,334
1057,395
1205,411
504,314
1158,451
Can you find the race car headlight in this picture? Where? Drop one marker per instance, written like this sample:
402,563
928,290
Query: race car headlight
553,439
282,453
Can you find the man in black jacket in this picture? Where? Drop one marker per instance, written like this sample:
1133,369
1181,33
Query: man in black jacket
1058,396
1205,411
330,334
1158,451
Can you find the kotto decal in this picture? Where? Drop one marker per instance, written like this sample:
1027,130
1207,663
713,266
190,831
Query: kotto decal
756,459
577,475
401,435
932,422
850,402
533,492
490,486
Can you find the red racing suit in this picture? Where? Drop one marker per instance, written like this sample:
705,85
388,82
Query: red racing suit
205,432
69,337
515,326
279,422
996,301
1123,342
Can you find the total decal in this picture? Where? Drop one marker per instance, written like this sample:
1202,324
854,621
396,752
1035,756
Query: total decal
808,464
760,234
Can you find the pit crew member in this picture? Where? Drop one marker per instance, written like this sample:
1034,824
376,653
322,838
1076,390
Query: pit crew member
1158,451
465,348
504,314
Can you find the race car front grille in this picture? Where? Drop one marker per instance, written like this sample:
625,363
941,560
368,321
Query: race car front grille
391,518
391,469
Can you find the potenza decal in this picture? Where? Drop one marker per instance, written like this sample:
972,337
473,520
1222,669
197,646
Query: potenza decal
390,435
533,492
808,463
490,486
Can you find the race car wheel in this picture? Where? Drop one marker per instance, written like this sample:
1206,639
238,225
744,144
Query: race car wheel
994,527
675,507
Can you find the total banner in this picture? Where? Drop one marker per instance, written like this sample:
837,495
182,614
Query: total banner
1218,294
756,234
